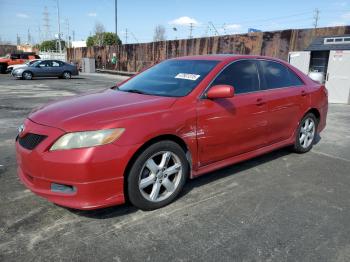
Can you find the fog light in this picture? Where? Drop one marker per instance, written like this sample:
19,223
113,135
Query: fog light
66,189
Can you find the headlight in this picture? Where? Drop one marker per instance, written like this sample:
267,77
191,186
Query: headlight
87,139
18,70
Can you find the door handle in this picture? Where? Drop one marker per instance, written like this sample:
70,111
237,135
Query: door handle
260,102
303,93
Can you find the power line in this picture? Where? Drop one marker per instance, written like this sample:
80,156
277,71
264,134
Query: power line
213,26
132,34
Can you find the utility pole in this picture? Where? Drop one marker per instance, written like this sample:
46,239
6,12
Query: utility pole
18,40
126,36
67,35
224,29
73,35
29,37
191,30
316,17
46,23
116,19
59,27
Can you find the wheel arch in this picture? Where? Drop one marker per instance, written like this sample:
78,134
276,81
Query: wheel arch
316,113
178,140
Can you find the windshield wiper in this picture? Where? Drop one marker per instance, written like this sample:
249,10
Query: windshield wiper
135,91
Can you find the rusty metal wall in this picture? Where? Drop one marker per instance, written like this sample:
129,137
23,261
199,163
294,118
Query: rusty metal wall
135,57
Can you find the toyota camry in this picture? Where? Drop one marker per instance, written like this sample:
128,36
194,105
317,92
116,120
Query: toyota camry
142,139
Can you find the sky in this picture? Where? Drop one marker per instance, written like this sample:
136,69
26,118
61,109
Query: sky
139,17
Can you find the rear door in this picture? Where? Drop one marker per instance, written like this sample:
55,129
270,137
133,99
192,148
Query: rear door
286,97
232,126
56,68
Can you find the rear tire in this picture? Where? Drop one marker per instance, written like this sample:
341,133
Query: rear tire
26,75
66,75
306,134
157,176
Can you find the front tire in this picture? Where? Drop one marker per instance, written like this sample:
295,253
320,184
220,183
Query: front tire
157,176
27,75
306,134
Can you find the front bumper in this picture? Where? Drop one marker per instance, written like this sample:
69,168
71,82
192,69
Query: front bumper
16,73
96,173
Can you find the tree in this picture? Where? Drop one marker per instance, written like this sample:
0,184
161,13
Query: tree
51,45
109,38
90,41
99,33
159,33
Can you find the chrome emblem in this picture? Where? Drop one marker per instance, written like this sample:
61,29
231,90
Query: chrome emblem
21,129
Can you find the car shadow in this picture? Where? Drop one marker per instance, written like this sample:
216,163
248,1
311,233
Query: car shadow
205,179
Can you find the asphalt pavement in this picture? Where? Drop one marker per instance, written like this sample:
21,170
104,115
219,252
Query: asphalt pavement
278,207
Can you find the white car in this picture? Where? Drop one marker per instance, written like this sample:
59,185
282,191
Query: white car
10,68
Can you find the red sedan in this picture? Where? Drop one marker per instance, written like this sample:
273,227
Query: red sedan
179,119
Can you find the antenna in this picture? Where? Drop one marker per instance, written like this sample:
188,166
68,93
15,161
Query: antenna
126,35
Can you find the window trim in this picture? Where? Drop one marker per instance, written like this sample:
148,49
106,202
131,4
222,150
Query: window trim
203,95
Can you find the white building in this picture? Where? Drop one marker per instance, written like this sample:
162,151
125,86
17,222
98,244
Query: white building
329,56
77,44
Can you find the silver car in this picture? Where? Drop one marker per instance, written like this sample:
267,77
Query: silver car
46,68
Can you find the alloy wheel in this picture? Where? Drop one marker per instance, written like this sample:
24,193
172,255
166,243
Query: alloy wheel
27,76
160,176
307,132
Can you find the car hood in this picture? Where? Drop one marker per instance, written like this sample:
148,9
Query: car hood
98,110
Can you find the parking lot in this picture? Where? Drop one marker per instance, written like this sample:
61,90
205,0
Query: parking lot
278,207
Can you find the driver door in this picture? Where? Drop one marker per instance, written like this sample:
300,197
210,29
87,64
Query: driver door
43,69
228,127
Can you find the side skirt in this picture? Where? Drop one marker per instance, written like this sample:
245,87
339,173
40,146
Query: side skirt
240,158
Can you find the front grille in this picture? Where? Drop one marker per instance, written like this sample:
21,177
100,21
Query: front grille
30,140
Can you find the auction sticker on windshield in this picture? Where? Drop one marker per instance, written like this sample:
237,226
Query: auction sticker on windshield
191,77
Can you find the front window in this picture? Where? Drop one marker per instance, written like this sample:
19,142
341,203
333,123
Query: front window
242,75
173,78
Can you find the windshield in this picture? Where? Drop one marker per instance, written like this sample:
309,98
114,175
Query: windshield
31,62
35,63
174,78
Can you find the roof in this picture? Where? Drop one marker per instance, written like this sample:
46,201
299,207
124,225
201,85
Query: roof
216,57
224,57
319,44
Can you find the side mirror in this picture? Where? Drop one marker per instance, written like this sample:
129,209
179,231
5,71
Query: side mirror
221,91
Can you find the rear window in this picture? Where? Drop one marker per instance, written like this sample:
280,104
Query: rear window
277,75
